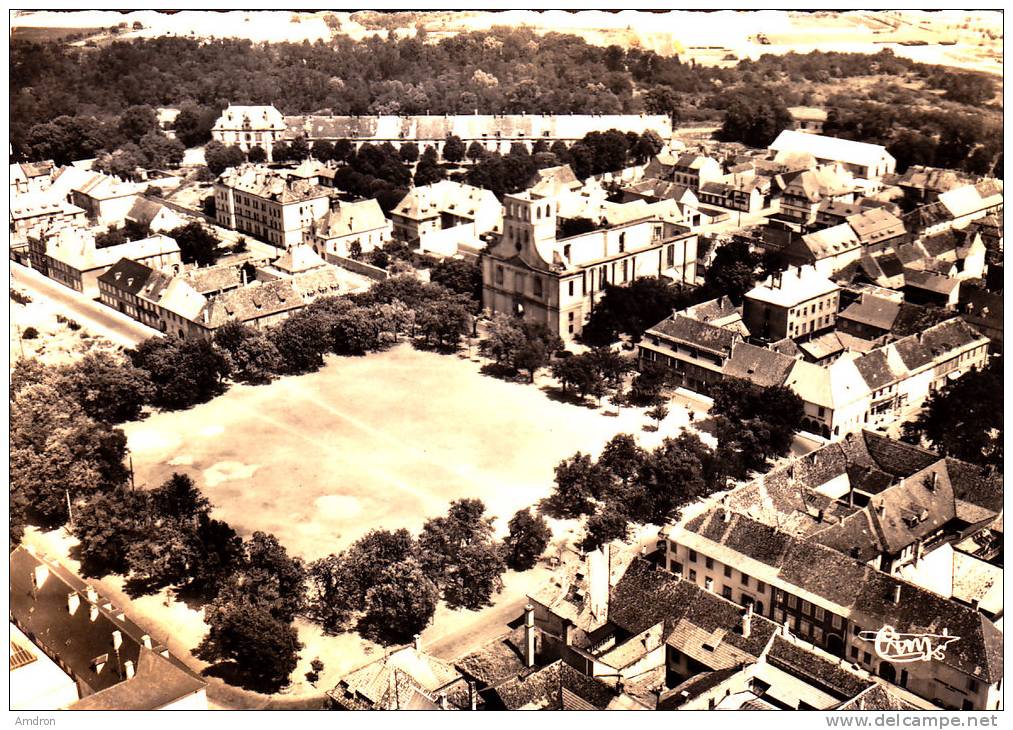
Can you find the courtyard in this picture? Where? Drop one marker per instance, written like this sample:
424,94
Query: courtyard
384,441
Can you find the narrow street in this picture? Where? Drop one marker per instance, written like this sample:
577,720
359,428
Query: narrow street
96,317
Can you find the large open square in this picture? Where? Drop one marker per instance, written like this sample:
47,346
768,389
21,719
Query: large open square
384,441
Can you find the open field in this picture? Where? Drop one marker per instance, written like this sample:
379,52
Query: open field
383,441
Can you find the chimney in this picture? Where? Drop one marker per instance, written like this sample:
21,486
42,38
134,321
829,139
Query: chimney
472,696
747,621
73,601
896,593
128,669
146,640
117,639
417,642
529,635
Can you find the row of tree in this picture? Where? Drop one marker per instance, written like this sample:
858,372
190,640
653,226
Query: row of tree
628,485
68,465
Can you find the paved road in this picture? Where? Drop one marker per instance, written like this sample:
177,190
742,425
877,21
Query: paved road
491,623
96,317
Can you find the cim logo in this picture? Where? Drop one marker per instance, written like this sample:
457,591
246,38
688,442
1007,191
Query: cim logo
903,648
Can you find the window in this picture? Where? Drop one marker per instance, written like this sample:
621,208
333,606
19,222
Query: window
622,242
499,274
728,571
744,579
692,575
792,602
538,286
692,556
867,657
818,613
854,652
761,587
670,255
571,287
806,607
779,616
817,635
709,562
972,685
726,592
806,628
835,620
677,568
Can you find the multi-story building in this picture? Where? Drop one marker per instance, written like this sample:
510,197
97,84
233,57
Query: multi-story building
693,171
428,211
164,302
867,162
70,256
31,216
350,229
531,273
250,126
31,177
495,132
795,303
695,352
843,606
264,203
804,192
115,663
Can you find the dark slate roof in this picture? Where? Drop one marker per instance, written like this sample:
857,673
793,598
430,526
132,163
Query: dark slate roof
644,597
877,697
127,276
926,216
913,509
817,671
143,210
872,310
698,334
977,485
693,687
868,595
253,302
897,457
875,369
157,683
758,365
42,611
546,686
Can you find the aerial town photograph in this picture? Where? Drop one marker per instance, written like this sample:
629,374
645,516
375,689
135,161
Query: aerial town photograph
506,359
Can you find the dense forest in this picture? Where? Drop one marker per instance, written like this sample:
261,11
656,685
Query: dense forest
498,71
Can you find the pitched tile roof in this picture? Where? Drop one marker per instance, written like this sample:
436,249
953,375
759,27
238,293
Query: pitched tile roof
758,365
545,688
404,679
264,182
872,310
349,219
157,683
817,671
697,334
868,596
258,300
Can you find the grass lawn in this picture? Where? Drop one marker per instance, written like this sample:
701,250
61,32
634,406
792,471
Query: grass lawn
381,441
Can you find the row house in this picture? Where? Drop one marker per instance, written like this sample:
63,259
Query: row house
155,298
746,194
264,203
115,663
662,641
695,352
71,256
494,132
843,606
32,216
531,273
249,126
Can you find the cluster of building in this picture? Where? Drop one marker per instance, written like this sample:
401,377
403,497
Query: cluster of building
72,648
837,349
263,126
865,575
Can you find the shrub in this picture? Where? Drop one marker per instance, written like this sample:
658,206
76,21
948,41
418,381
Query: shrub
30,333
